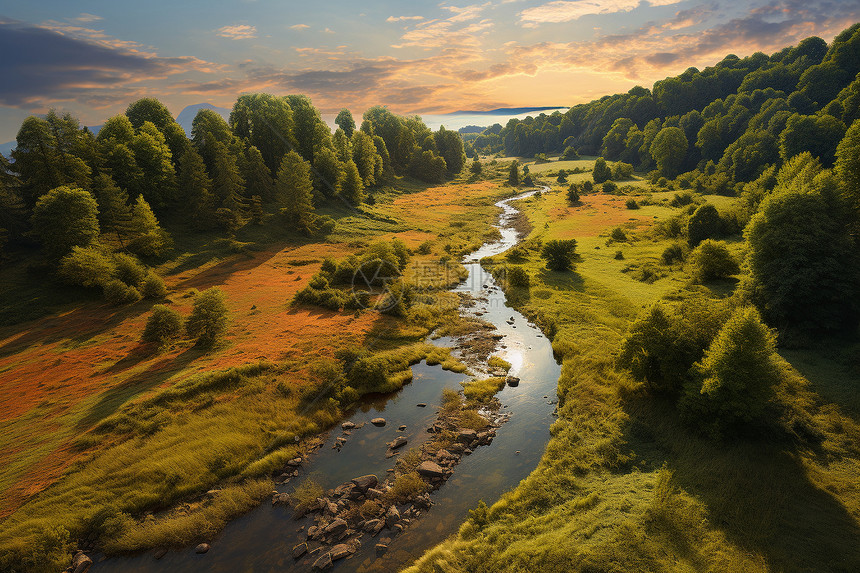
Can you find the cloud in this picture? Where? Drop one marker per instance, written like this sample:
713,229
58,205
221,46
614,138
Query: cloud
85,18
238,32
567,10
403,18
51,66
466,12
299,27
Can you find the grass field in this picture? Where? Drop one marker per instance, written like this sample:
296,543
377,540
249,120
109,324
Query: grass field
87,418
623,484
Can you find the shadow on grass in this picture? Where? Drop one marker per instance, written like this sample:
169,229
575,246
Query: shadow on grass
569,280
758,493
112,400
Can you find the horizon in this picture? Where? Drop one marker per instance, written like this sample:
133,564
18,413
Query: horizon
425,59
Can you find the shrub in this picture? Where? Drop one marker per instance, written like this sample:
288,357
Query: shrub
306,494
601,171
618,235
573,193
86,266
129,270
712,260
518,254
425,248
517,276
619,256
398,300
153,287
328,267
632,204
610,187
736,377
118,293
570,153
681,199
705,223
621,171
587,186
163,326
559,254
208,319
673,253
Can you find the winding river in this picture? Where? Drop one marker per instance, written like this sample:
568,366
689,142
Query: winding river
260,541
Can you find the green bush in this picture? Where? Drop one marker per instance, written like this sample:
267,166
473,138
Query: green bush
117,292
517,276
86,266
736,378
573,193
632,204
153,287
618,234
587,186
705,223
610,187
208,319
601,171
622,171
129,270
559,254
163,326
570,153
672,254
712,260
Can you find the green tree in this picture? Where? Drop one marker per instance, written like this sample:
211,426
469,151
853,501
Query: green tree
559,254
817,134
258,178
514,173
65,217
153,156
477,167
119,161
738,375
153,111
705,223
227,182
712,260
114,210
614,140
266,122
163,326
209,317
365,156
352,188
342,146
848,164
601,172
573,193
149,239
87,267
196,187
345,121
802,259
294,192
328,173
449,146
668,150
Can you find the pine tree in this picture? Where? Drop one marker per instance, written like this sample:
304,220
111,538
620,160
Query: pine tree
227,182
258,178
114,210
149,238
328,174
514,173
293,189
196,187
352,188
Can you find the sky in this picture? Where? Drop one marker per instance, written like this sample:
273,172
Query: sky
93,58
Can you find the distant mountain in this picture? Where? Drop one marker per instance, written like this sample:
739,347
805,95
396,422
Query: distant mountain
510,110
186,116
6,148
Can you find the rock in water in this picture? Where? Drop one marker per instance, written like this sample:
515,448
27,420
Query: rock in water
431,470
159,553
202,548
398,442
365,482
335,528
323,563
378,421
300,550
81,563
392,516
339,551
513,381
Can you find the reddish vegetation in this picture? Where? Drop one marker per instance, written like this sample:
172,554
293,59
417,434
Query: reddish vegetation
597,213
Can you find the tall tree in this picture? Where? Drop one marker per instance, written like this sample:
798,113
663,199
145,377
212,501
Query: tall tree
258,178
310,131
669,149
150,240
345,121
352,188
848,164
266,122
342,145
365,157
114,210
328,173
196,187
153,156
121,165
449,145
227,182
294,192
151,110
65,217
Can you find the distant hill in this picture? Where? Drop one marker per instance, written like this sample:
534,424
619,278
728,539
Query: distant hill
471,129
186,116
510,110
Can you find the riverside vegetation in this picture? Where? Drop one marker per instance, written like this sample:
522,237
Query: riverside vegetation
702,298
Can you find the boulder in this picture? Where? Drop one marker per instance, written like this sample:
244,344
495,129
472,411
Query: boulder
365,482
281,499
402,428
421,405
295,462
467,436
381,548
81,563
314,532
331,508
159,553
335,528
392,516
323,563
371,524
299,550
378,421
339,551
373,493
431,470
202,548
513,381
343,489
397,442
347,426
456,449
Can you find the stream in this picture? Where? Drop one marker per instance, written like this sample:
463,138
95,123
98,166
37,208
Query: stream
261,540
